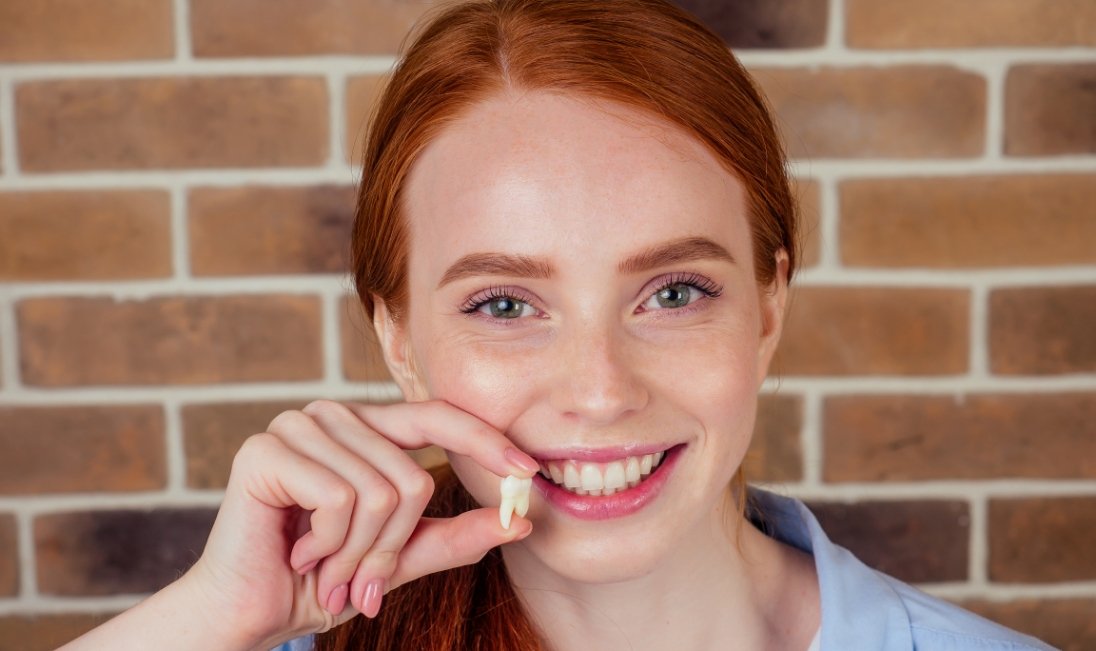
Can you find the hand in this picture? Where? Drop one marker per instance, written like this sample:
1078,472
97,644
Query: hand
326,507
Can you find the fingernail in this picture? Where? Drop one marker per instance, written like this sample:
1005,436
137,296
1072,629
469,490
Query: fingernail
371,602
336,601
305,569
521,460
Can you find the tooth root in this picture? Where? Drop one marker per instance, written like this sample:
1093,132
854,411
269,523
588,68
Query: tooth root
506,512
631,471
521,502
645,464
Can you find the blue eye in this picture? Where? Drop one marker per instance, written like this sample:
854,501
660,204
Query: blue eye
679,292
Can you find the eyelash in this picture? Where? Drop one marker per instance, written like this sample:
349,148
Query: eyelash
705,285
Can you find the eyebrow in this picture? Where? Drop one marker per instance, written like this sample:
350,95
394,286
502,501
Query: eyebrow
686,249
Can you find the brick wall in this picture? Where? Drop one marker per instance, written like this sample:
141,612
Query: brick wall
176,188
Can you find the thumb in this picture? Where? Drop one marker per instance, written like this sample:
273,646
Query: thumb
444,543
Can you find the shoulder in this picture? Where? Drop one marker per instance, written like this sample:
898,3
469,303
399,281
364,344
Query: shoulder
866,609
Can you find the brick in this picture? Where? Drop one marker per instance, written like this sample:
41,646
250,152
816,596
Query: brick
70,341
891,112
1042,330
874,331
991,436
362,359
764,25
1067,624
1051,109
117,552
245,28
968,221
809,195
62,449
85,30
84,235
1042,540
971,23
214,432
924,541
265,230
775,454
9,558
43,632
171,122
362,94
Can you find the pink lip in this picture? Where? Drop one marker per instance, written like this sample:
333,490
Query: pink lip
617,505
598,455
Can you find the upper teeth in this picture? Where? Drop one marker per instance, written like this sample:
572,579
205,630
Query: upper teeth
600,478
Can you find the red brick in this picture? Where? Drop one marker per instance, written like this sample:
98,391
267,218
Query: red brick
265,230
9,558
775,454
1050,109
769,24
874,331
1067,624
892,112
968,221
171,122
362,94
46,632
69,341
214,432
85,30
971,23
244,28
916,541
1042,540
117,552
1042,330
84,235
60,449
362,359
993,436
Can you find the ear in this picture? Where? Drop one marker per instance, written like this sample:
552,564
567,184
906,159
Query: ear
773,301
395,345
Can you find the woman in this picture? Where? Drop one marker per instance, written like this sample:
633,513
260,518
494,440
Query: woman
575,236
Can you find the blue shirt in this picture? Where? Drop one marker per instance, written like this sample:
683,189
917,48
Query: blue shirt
863,609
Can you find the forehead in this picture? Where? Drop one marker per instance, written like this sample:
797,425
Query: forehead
552,175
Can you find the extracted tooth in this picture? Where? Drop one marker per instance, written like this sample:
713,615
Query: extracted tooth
515,496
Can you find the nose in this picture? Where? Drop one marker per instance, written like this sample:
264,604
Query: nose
597,379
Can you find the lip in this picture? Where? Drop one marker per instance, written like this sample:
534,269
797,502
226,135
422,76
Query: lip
617,505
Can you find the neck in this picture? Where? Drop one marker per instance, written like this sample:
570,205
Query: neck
727,582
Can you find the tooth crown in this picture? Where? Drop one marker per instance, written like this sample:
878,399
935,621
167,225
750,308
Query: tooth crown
601,478
515,497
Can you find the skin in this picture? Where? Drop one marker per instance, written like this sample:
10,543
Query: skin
323,512
593,360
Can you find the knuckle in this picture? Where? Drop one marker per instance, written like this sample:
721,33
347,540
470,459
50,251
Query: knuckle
381,562
380,500
418,485
323,407
288,420
341,496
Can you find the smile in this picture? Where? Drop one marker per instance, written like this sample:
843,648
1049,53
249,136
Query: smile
601,479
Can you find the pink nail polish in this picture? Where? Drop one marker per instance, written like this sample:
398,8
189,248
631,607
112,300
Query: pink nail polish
336,601
521,460
371,602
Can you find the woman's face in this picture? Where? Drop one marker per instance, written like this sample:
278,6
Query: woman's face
581,277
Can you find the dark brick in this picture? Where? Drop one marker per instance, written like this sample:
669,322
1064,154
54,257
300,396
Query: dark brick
769,24
9,558
1068,624
1042,540
362,359
1050,109
117,552
916,541
45,632
775,454
1042,330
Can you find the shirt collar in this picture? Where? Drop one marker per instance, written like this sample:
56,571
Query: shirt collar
860,609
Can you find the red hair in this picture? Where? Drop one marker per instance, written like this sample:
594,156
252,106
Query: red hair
646,54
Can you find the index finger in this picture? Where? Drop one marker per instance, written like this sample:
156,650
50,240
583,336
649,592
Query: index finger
414,425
